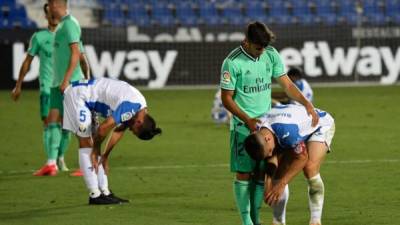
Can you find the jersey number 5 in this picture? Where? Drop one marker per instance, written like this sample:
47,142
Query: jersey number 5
82,115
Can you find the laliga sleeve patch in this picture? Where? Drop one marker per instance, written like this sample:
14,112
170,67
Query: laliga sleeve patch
226,77
300,148
126,116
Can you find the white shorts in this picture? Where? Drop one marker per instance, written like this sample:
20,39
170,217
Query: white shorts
77,116
324,134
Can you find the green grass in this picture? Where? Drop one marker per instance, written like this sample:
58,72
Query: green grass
361,175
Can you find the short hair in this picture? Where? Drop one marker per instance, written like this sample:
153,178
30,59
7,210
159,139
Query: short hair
148,129
295,72
258,33
45,10
254,147
65,1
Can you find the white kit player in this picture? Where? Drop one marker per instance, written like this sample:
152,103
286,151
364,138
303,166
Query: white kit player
123,107
295,74
289,144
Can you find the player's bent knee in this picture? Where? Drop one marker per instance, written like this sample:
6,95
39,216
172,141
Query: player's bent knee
311,169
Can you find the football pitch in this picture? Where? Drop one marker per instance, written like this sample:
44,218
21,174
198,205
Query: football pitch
182,177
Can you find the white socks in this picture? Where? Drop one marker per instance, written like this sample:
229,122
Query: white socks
315,201
89,174
315,198
103,180
279,210
96,183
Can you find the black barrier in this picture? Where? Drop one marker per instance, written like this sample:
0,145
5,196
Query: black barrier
193,56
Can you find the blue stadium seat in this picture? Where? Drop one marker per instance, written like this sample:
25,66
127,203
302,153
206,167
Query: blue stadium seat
256,11
278,8
162,15
392,8
137,14
376,19
185,13
209,14
300,8
370,7
347,12
18,11
279,14
114,16
233,15
329,19
326,12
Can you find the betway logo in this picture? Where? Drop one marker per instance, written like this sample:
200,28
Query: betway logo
134,65
367,61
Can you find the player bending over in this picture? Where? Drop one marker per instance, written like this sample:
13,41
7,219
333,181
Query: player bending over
288,144
123,107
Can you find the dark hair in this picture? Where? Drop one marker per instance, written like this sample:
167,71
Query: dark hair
148,129
258,33
45,8
254,147
295,72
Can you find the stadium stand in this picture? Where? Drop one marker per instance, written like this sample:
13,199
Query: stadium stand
13,14
166,13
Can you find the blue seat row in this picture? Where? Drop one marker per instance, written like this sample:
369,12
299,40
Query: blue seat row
14,15
306,12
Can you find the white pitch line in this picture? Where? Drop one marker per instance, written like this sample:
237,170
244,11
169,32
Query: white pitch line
365,161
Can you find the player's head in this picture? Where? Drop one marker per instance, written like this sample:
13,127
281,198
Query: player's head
144,126
50,18
260,144
58,7
258,37
295,73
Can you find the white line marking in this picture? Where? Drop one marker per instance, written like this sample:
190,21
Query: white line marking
365,161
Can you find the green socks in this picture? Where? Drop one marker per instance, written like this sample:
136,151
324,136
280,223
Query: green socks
54,140
256,200
242,196
65,138
46,140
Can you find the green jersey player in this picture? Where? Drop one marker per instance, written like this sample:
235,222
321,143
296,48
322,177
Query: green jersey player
41,45
67,54
246,76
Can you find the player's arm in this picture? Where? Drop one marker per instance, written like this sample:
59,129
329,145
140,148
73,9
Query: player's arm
228,85
115,137
73,62
231,106
84,65
16,92
291,164
294,93
279,97
271,165
105,127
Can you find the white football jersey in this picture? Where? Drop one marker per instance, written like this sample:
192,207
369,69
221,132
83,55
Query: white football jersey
109,97
291,124
305,89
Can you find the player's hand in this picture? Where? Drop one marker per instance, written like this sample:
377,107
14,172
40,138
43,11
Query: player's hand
15,93
272,196
252,124
104,163
64,86
315,117
94,156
